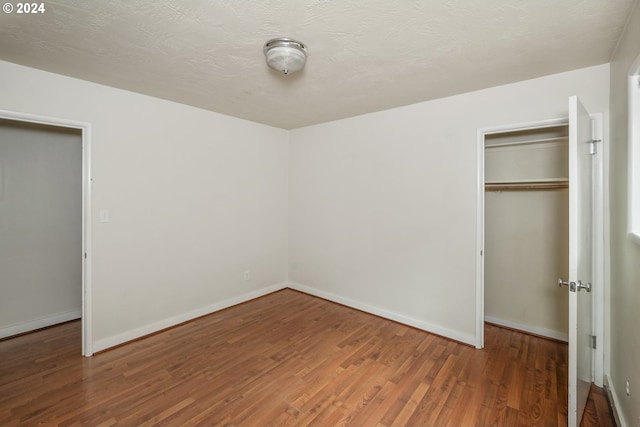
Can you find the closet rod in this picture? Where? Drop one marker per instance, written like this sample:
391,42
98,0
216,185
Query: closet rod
529,141
527,185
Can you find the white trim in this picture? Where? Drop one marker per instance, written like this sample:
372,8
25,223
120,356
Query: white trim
599,242
87,243
549,333
606,268
86,210
480,241
396,317
615,402
43,322
633,172
517,127
141,331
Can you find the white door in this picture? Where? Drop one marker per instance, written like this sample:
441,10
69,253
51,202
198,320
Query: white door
580,260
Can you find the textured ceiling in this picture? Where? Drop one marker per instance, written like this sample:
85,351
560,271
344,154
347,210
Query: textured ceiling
364,56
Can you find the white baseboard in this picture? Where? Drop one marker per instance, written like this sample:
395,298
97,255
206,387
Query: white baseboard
615,403
43,322
133,334
549,333
400,318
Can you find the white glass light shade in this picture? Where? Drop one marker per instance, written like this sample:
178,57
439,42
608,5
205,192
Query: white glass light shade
285,55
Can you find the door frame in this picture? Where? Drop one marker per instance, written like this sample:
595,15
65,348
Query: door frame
85,128
600,219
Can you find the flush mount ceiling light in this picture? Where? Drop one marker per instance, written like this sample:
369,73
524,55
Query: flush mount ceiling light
285,55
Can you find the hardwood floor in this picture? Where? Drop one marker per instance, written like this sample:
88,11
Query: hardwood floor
288,359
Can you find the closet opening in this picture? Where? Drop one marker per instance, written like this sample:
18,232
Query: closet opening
42,173
526,229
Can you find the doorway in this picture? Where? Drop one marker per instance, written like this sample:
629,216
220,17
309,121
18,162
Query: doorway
600,220
45,189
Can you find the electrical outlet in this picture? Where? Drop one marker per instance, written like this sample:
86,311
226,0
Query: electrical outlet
627,388
247,275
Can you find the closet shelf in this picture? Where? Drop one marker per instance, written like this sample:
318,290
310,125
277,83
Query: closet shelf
561,139
527,185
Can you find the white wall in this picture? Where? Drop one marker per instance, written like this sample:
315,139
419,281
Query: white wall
625,254
382,207
195,198
526,250
40,226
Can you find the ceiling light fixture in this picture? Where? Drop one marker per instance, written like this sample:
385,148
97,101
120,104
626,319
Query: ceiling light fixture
285,55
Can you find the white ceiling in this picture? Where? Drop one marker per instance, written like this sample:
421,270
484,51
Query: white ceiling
364,56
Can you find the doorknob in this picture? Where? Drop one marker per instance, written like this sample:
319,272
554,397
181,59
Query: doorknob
585,286
571,285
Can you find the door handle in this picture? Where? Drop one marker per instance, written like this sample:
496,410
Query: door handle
585,286
573,286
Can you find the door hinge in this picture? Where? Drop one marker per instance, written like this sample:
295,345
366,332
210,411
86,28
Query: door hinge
593,146
593,341
85,255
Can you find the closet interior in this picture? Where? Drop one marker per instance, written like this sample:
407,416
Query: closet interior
527,230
